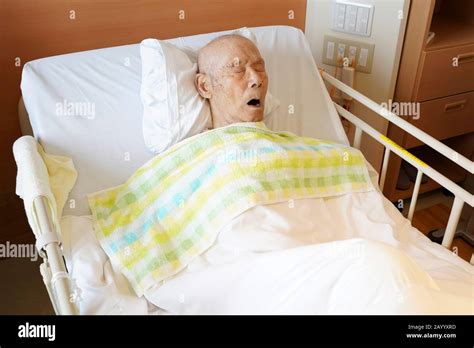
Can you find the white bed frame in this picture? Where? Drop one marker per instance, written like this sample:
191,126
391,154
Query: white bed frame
54,271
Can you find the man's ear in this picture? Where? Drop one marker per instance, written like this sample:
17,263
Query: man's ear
203,85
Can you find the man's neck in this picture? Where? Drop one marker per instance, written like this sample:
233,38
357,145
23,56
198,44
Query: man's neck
219,121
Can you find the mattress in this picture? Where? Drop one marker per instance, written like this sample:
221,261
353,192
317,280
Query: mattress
266,230
86,105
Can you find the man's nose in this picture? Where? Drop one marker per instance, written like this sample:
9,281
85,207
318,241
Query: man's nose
255,80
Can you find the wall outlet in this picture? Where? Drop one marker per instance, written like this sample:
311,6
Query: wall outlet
357,54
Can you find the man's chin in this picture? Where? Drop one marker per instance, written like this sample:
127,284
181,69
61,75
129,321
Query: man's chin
254,116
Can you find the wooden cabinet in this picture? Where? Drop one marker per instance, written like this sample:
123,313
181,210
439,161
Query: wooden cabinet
444,118
437,78
445,72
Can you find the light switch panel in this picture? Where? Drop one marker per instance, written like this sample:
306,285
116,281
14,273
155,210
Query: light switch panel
341,50
362,21
336,48
330,50
352,53
364,53
352,17
339,16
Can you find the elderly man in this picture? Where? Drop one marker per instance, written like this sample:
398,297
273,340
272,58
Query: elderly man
232,77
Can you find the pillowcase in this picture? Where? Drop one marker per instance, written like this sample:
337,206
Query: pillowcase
172,107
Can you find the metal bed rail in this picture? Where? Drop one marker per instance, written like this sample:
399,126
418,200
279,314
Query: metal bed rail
53,269
461,196
46,228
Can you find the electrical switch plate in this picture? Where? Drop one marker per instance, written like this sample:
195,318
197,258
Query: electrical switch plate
362,23
352,17
330,50
339,14
341,49
362,52
352,53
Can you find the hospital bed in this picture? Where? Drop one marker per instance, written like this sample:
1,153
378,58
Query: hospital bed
107,147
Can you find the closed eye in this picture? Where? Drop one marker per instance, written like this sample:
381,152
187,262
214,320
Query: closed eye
259,65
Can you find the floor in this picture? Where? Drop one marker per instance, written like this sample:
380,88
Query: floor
22,290
432,212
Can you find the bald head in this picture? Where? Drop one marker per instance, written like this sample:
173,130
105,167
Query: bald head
232,77
209,55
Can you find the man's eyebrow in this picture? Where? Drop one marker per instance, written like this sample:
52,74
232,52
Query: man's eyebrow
232,63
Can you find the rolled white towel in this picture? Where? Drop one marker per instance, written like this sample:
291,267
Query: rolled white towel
42,174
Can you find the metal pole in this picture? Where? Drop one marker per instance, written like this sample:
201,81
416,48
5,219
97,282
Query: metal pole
357,138
452,222
59,277
386,156
414,197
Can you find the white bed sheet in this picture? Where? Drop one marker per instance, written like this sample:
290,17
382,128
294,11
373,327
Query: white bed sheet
106,144
267,229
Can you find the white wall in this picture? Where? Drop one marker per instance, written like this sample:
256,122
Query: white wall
387,35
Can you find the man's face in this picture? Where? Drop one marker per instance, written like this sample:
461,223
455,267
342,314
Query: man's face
238,82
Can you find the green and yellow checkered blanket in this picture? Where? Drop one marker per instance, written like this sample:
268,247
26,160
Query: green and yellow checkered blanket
172,208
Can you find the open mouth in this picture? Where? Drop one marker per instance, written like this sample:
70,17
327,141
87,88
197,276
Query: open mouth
254,102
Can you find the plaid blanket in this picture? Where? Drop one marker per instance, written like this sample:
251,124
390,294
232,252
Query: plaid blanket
172,208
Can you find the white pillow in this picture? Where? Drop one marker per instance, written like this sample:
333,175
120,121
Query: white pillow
172,107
